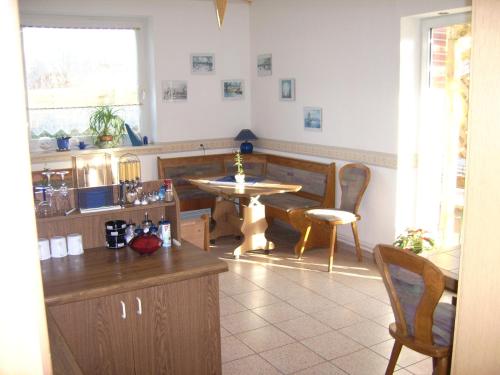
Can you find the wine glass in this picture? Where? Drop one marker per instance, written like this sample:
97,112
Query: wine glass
64,201
48,193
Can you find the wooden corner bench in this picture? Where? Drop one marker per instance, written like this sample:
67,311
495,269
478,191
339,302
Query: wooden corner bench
317,181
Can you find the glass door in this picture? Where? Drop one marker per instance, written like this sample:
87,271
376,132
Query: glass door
443,131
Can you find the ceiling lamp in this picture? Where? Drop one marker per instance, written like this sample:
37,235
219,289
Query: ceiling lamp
220,8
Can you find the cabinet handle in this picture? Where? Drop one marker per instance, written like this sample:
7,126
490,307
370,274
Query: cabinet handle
139,306
124,311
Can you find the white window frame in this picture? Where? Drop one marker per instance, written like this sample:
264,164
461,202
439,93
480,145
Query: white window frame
426,207
143,53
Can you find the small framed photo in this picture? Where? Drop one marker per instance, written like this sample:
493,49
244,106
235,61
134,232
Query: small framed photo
265,65
233,89
313,118
202,63
287,89
174,91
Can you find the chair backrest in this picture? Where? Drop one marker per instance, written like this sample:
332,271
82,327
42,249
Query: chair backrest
354,179
415,286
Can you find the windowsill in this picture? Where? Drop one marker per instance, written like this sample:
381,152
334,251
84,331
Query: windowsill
155,148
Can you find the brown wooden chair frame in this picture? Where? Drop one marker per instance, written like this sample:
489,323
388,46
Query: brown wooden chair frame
306,234
433,279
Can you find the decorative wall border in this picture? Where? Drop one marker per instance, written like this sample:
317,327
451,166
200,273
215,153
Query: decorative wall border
152,149
379,159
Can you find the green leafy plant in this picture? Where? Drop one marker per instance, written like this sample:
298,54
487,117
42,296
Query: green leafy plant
106,127
415,240
238,162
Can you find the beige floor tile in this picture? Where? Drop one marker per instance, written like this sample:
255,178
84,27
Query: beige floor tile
256,299
237,286
251,365
402,372
311,303
292,358
242,321
332,345
303,327
232,348
367,333
287,290
384,320
224,332
338,317
325,368
406,358
278,312
265,338
230,306
369,307
364,362
421,368
340,294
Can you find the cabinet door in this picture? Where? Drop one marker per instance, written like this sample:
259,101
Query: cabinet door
97,333
178,331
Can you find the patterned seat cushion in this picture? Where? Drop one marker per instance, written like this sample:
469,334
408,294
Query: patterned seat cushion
288,202
410,287
331,215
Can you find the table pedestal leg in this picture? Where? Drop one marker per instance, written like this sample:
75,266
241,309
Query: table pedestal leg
226,219
254,229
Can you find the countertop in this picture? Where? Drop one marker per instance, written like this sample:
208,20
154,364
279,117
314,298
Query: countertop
101,271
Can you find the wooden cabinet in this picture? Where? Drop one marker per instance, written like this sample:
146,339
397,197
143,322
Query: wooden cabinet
122,313
196,231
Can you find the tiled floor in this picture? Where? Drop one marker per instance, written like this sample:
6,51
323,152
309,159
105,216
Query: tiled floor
283,316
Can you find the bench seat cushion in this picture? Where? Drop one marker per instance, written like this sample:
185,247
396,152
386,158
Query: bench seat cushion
288,202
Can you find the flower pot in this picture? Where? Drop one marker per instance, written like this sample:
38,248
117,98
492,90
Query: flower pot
240,178
106,138
63,143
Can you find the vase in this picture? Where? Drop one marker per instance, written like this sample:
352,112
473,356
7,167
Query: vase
239,178
63,143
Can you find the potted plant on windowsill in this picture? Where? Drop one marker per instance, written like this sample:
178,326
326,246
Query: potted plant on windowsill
415,240
106,127
238,163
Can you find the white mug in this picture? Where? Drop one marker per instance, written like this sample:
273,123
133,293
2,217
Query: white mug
75,245
43,248
58,247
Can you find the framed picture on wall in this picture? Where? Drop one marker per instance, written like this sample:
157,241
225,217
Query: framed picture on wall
313,118
174,91
233,89
265,65
287,89
202,63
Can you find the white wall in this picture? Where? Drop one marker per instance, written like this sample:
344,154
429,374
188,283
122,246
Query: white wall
345,57
176,30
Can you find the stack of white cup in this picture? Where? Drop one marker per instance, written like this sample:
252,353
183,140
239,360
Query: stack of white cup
60,246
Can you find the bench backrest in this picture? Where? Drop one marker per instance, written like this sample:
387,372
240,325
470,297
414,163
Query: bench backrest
317,179
180,169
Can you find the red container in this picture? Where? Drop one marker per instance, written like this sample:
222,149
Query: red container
146,244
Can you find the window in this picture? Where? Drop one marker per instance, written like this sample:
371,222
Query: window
71,70
443,128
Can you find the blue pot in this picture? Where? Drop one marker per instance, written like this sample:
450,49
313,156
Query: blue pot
63,143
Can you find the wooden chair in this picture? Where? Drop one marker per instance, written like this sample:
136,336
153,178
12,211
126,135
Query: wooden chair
354,179
415,286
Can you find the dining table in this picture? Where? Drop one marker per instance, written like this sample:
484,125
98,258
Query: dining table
252,224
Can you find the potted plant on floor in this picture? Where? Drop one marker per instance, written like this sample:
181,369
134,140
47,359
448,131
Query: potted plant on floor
415,240
240,172
106,127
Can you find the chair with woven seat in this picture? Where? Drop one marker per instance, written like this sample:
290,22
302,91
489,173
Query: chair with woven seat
423,324
354,179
